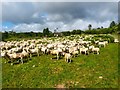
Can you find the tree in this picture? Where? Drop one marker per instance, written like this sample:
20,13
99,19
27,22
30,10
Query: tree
112,24
89,26
66,33
98,28
46,32
5,35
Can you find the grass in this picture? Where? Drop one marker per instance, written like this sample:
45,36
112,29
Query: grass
83,72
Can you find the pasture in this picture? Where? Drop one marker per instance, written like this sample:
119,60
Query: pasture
86,71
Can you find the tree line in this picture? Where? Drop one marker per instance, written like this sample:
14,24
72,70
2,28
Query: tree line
113,28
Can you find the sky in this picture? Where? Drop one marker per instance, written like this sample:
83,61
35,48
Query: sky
35,16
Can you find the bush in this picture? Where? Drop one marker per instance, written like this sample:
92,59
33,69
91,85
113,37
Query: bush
110,38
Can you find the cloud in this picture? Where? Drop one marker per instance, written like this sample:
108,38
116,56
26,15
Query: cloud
64,15
77,24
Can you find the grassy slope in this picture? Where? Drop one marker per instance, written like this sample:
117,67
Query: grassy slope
83,72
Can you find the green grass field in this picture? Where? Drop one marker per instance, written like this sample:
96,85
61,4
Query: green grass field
86,71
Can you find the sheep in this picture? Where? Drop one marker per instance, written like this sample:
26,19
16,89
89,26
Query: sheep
56,52
95,50
102,44
3,53
50,46
83,50
43,49
32,46
15,56
25,53
96,42
58,46
17,49
106,42
74,53
34,51
116,41
72,49
67,57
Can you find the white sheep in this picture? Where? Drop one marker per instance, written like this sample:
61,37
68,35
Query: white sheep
56,52
95,50
83,50
34,51
102,44
67,57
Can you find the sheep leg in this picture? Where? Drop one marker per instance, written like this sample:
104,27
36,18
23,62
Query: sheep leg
65,60
11,63
70,60
88,52
104,45
97,52
38,54
30,55
74,56
21,60
57,56
5,60
27,58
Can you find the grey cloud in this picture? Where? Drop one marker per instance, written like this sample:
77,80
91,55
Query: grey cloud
23,12
64,15
85,10
18,12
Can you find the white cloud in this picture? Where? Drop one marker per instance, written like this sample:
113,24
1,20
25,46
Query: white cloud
64,16
77,24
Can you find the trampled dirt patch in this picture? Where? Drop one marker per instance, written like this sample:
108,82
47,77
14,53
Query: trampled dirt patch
60,86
